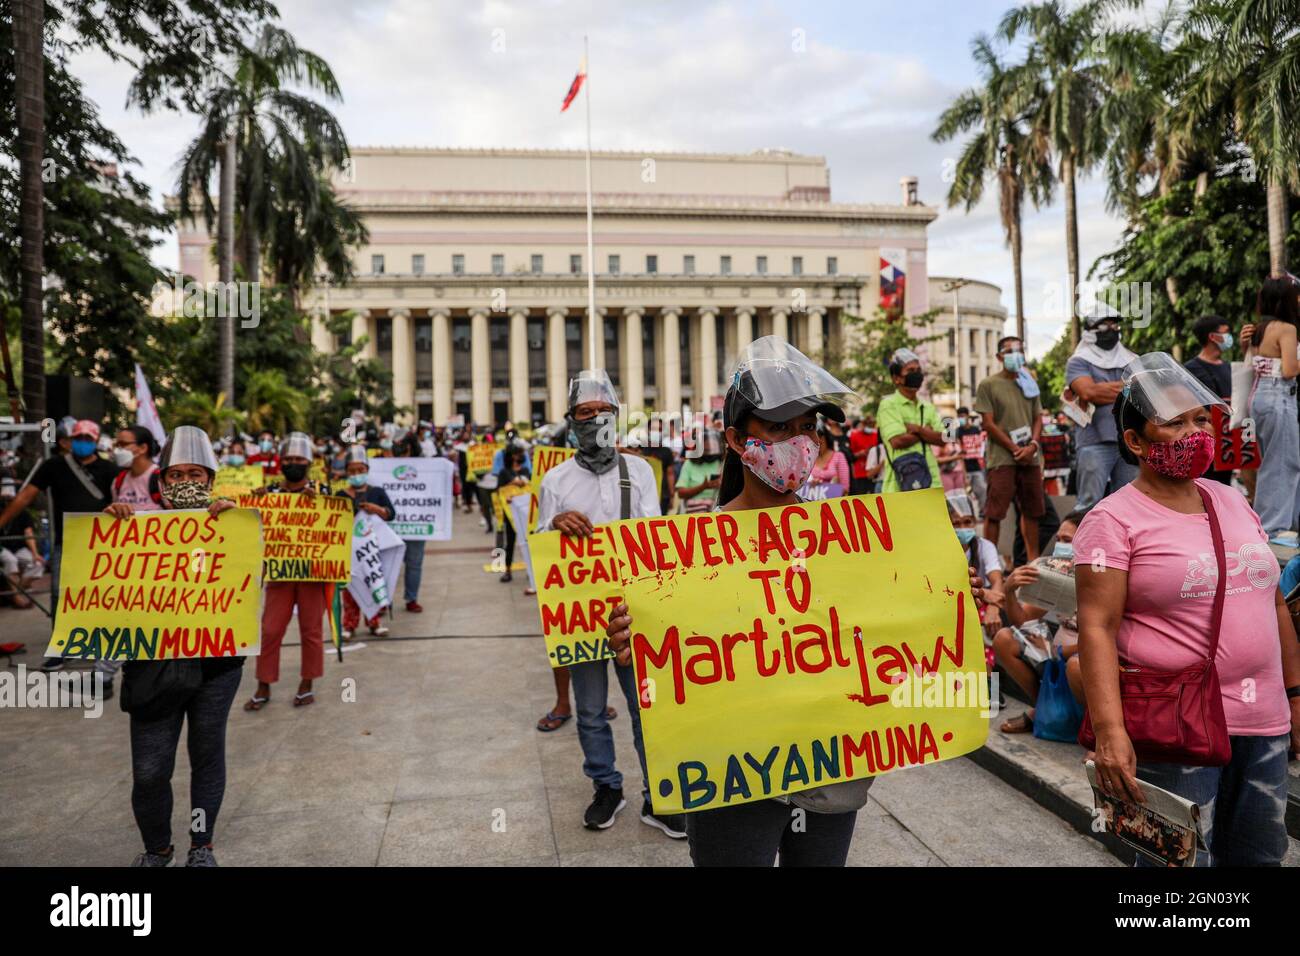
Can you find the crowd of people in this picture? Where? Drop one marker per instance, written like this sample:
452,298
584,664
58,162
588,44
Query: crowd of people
1166,562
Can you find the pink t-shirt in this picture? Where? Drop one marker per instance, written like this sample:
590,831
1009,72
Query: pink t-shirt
836,472
1172,575
134,490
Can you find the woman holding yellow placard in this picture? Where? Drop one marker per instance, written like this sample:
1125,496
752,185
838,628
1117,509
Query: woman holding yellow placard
153,699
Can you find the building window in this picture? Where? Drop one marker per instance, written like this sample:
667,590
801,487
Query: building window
575,264
688,265
725,266
384,336
684,346
952,342
417,265
651,264
344,338
536,264
613,265
424,355
796,265
974,382
648,351
377,265
573,345
612,362
499,350
458,264
974,341
536,352
832,266
760,265
462,374
498,264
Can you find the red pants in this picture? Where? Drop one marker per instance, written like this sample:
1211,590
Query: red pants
352,613
281,596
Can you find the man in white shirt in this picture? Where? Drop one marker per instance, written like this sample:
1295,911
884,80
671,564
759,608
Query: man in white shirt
596,486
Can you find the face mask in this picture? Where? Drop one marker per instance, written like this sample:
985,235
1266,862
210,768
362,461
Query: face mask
595,453
265,445
186,494
357,481
1063,549
1107,339
960,422
294,472
123,457
965,536
913,379
1225,341
82,447
235,461
783,465
1013,361
1186,457
385,444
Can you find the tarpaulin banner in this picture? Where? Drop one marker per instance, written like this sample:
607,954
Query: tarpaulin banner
308,537
421,492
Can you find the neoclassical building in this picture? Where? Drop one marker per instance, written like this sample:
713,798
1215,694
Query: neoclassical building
473,287
971,319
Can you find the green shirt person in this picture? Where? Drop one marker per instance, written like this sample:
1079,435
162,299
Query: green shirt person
907,423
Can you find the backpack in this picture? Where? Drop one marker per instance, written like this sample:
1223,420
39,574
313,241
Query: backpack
155,486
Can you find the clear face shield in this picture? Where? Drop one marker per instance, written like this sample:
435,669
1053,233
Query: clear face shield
780,382
298,445
1162,390
188,445
591,385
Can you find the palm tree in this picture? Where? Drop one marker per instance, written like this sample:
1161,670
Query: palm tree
303,237
1255,72
1003,147
1066,51
271,403
213,415
29,86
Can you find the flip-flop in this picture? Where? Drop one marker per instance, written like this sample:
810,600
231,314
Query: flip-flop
302,700
562,718
1026,725
256,703
610,713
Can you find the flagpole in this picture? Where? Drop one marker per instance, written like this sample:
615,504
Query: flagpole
592,323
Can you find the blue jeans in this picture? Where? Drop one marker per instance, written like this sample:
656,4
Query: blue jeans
1290,576
1277,487
590,683
1243,805
414,570
1101,471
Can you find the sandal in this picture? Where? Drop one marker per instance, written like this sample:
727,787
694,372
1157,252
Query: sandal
555,721
610,713
1020,724
303,699
256,703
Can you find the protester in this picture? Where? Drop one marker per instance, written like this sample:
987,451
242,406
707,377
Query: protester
514,472
866,451
375,501
1210,369
598,485
830,467
266,456
80,482
1093,373
282,597
20,561
952,465
971,436
187,469
909,428
697,484
233,455
981,554
1011,413
1273,405
1151,566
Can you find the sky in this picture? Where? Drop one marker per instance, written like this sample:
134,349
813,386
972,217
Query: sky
861,84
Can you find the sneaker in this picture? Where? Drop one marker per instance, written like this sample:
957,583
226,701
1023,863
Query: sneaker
201,856
154,859
379,631
604,808
672,824
52,664
345,634
530,591
414,607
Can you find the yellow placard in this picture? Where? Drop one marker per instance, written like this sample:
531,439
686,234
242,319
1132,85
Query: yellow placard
577,587
160,584
500,502
231,481
308,537
790,648
478,458
316,470
545,457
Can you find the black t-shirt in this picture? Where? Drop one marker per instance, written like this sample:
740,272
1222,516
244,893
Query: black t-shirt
11,534
376,496
71,496
1217,378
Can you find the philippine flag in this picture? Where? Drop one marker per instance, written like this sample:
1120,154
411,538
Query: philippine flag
576,85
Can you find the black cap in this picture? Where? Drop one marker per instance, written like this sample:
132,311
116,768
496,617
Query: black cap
736,407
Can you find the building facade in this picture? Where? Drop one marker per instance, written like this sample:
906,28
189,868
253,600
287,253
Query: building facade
971,319
473,286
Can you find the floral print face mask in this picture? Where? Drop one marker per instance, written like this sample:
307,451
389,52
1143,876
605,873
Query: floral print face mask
1186,457
785,465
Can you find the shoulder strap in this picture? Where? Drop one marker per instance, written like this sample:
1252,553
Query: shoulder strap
625,489
75,467
1221,587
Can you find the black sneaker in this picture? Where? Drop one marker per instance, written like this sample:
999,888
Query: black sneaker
149,859
604,807
672,824
200,856
52,664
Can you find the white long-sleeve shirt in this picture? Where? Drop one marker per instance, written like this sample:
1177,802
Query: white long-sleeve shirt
570,487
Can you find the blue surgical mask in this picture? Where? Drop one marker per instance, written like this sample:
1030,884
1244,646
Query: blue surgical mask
965,536
1064,549
1013,361
235,461
265,445
357,481
83,447
1226,342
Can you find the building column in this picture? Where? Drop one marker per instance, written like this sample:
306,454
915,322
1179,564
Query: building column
520,410
442,407
403,362
816,347
781,324
744,327
706,382
360,329
670,370
480,366
321,340
556,367
633,371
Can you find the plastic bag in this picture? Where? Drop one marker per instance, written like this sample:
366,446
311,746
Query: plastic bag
1057,715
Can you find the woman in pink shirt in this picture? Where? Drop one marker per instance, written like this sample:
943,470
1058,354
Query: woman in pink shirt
831,467
1146,575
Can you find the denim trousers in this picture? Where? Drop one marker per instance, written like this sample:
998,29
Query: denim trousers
1243,805
1277,486
1100,472
414,571
590,683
